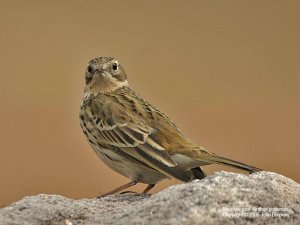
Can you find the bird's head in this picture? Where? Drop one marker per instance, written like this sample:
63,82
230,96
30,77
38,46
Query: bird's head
103,75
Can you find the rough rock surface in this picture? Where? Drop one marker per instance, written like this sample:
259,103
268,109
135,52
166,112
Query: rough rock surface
222,198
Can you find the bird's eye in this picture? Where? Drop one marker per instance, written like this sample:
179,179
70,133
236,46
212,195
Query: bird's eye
115,66
90,69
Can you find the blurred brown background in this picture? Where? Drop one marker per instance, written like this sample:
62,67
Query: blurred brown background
227,72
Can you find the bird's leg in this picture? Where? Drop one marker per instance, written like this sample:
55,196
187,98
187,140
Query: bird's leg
148,188
130,184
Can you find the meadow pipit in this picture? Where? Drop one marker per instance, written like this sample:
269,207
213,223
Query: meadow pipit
133,137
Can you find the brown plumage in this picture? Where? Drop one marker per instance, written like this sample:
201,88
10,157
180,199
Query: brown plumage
133,137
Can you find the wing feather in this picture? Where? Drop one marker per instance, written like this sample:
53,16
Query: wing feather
128,135
133,135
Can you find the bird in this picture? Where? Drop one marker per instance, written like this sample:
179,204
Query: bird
133,137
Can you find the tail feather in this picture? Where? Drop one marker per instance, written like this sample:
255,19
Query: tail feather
198,173
203,155
236,164
233,163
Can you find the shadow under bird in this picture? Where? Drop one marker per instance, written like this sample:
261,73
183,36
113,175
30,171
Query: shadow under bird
133,137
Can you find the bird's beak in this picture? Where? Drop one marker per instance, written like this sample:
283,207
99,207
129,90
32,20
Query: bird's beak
100,72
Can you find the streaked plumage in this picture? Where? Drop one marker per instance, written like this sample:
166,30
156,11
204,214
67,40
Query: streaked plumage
133,137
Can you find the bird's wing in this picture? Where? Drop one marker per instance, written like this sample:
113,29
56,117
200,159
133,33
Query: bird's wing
134,137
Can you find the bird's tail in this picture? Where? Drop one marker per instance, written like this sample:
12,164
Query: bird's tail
229,162
204,156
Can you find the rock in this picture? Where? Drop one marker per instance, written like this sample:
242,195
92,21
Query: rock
222,198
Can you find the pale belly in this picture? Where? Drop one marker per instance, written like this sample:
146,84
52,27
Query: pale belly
128,167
